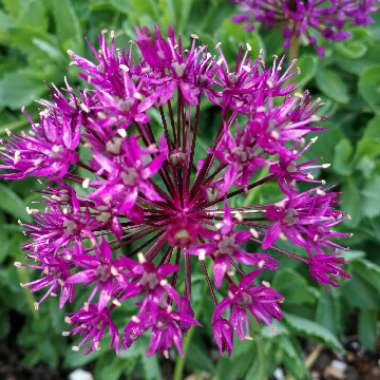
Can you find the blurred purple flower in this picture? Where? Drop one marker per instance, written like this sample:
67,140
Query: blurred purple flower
311,19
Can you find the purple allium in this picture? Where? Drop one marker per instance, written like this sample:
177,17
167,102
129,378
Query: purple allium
132,204
312,20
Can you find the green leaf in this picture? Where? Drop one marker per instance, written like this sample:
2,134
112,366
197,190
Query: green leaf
6,23
33,14
14,7
242,357
308,65
343,157
353,255
372,130
351,202
329,312
369,271
259,370
332,85
351,49
233,35
293,357
11,203
293,286
19,89
366,166
368,328
369,86
312,329
371,201
151,368
52,51
199,357
358,292
68,26
109,369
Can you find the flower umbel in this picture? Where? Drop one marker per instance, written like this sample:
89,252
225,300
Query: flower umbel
132,205
311,19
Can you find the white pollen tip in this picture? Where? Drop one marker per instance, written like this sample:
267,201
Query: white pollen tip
314,139
266,284
124,68
65,333
86,183
135,319
325,166
17,264
238,216
249,47
194,36
138,96
122,133
69,52
202,254
141,258
75,348
68,320
163,282
36,305
116,302
254,233
248,337
261,264
84,108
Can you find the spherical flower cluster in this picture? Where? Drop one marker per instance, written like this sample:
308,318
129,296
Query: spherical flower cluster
132,204
312,20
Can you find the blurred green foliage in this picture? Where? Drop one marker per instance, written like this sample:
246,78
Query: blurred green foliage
34,37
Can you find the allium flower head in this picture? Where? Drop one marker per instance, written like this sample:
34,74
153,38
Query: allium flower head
312,20
132,204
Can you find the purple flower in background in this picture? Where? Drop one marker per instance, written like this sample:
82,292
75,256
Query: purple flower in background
312,20
132,206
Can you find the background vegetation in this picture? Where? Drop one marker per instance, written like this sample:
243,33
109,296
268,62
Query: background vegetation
34,37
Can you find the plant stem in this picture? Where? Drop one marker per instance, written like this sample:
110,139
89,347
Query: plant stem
294,48
180,363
